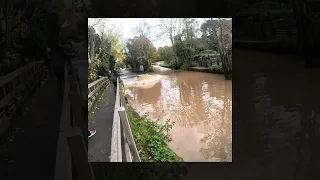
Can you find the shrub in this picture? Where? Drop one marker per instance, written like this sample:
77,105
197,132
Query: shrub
216,69
185,66
151,139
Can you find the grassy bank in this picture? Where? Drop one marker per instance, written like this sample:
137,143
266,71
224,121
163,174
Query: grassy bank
152,139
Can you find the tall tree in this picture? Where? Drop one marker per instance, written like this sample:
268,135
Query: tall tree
224,36
143,29
169,28
208,34
140,52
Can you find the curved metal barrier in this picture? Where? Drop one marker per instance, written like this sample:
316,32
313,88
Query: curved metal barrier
95,88
15,88
72,157
123,147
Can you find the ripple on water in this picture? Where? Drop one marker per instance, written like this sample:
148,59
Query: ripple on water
200,104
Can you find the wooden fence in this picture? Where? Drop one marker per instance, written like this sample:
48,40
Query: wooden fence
123,147
95,88
16,87
72,157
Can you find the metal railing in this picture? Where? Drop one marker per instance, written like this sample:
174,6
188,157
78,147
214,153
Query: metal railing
123,147
16,87
95,88
72,157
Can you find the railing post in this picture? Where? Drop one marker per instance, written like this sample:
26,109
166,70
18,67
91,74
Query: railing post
14,89
63,168
94,89
77,103
116,151
128,135
79,156
77,115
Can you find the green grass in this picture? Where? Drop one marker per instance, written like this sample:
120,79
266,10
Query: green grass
152,139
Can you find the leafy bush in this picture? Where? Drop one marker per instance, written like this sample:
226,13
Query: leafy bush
152,138
208,52
216,69
185,66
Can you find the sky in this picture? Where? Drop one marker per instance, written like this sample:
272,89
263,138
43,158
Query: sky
127,24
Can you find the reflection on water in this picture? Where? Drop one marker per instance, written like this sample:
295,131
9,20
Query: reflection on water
280,131
200,104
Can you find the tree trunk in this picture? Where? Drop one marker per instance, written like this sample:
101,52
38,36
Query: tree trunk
8,22
221,51
302,16
3,22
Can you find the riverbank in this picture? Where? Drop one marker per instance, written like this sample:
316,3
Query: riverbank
212,69
152,139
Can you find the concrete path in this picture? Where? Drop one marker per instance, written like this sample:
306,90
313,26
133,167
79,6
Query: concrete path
99,146
28,148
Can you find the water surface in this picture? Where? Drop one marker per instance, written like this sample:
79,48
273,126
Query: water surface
200,105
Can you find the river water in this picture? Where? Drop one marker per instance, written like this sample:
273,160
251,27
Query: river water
276,116
199,104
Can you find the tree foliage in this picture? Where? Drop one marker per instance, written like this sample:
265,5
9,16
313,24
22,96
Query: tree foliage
166,54
24,28
188,47
105,47
140,52
103,51
224,35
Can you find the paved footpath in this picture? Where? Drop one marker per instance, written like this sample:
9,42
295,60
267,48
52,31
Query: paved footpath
99,145
28,149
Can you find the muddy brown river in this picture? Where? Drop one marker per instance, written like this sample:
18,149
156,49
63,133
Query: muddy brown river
199,104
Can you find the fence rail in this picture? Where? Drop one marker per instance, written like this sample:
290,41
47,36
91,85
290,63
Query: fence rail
122,151
16,87
72,157
94,89
285,33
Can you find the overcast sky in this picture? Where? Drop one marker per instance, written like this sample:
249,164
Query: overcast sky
127,24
